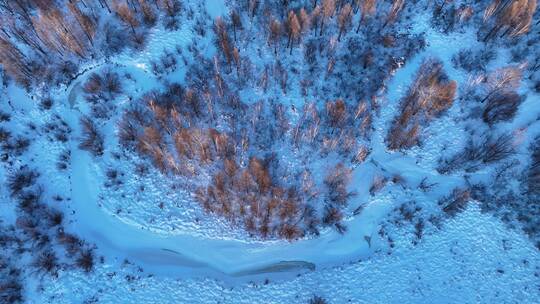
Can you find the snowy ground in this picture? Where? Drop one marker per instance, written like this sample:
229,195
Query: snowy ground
180,256
474,259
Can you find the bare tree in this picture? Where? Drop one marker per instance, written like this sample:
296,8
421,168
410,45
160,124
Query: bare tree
503,79
85,22
501,107
316,17
328,8
368,8
344,19
305,20
275,32
253,6
513,16
430,95
126,15
236,22
397,6
223,40
92,140
293,29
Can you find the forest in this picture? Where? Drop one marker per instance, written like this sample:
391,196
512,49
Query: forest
278,119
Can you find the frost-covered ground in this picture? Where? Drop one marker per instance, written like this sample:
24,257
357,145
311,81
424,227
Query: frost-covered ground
160,247
473,259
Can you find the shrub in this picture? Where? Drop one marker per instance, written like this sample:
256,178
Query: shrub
496,148
102,87
19,145
533,177
11,291
29,200
317,300
501,107
85,261
55,218
431,94
22,179
71,242
47,262
91,140
487,150
455,202
337,181
333,217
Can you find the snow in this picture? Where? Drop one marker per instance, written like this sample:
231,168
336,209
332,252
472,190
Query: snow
195,249
209,253
216,8
474,257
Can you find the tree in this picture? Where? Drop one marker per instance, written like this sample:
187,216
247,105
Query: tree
503,79
149,16
368,8
236,22
316,17
328,8
236,58
501,107
397,6
337,181
515,16
85,22
337,113
430,95
305,20
92,140
275,32
293,29
344,19
126,15
223,40
253,6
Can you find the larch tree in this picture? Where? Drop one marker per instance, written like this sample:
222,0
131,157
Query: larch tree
236,58
224,42
85,22
275,32
305,20
514,17
315,18
344,19
503,79
367,8
236,22
328,8
126,15
293,29
397,6
14,62
253,6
